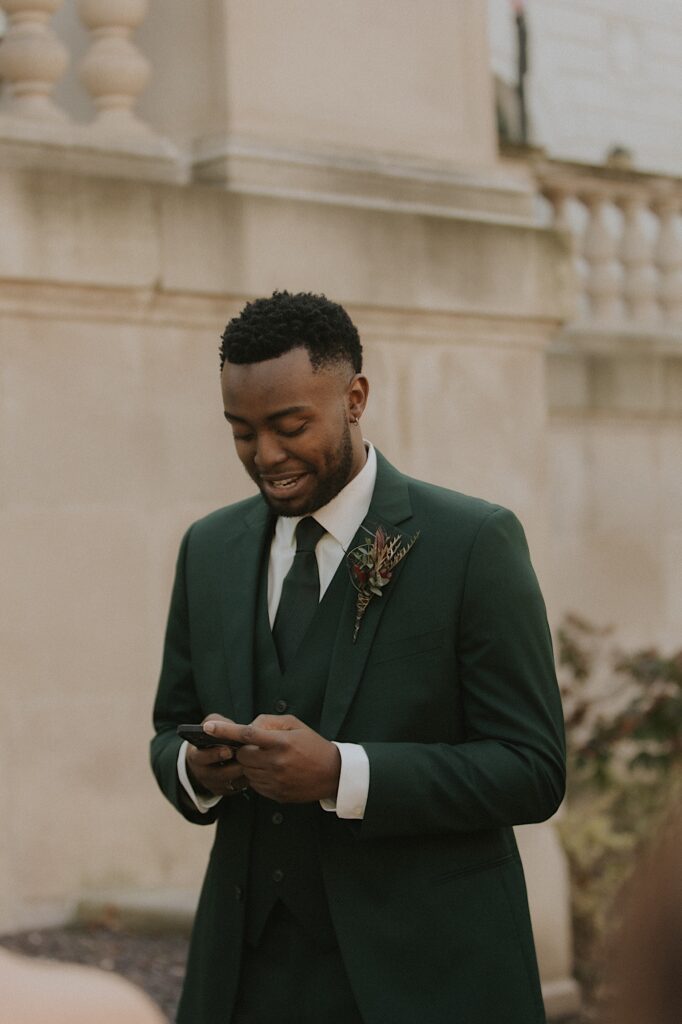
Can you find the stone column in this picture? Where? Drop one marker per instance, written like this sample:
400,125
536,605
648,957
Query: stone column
599,248
562,198
668,256
114,71
639,280
32,58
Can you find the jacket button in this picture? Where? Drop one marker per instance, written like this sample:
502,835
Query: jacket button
281,706
277,818
277,875
238,893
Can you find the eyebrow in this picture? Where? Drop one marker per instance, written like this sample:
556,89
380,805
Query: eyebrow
291,410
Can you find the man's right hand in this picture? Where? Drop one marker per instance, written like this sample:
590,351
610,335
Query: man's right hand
216,770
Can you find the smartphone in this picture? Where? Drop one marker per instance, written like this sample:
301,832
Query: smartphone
195,735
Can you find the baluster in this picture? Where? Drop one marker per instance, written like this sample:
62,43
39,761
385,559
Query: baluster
668,256
599,248
640,279
561,197
32,58
114,71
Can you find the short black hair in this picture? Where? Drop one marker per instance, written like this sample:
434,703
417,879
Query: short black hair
267,328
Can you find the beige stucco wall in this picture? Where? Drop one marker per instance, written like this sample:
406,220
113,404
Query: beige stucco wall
615,484
112,297
386,77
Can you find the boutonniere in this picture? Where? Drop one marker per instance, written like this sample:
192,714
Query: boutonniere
372,565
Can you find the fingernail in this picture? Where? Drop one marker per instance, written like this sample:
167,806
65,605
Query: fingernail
209,727
225,753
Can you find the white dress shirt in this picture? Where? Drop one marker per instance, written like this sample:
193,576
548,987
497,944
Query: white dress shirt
341,518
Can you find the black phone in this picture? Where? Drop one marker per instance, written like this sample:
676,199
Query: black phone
195,735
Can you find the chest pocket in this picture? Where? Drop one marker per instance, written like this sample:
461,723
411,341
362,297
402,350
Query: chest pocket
406,646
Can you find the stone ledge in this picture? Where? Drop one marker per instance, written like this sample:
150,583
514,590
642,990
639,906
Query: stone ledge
71,229
40,300
631,373
253,167
153,910
68,147
621,338
562,999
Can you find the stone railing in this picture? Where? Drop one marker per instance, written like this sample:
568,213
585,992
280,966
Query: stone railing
113,73
626,232
33,59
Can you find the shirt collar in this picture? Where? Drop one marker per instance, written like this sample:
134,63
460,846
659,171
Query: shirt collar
342,516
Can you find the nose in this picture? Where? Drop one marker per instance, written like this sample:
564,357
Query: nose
269,453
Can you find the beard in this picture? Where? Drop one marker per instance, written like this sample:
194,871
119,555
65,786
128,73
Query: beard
331,479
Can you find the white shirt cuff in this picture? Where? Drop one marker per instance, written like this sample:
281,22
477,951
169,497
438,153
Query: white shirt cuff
351,797
202,803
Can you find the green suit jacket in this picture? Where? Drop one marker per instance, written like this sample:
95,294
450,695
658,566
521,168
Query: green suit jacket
450,687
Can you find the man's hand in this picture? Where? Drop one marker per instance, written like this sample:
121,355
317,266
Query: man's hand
216,770
283,758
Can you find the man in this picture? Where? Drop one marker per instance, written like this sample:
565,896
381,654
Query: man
387,666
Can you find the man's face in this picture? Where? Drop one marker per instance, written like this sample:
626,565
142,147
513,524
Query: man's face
291,428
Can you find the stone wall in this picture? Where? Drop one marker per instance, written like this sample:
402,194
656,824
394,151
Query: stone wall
112,298
615,486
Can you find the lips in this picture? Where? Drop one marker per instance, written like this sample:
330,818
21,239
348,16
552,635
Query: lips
283,486
289,482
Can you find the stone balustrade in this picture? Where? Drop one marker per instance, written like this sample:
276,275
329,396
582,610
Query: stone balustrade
114,70
626,231
33,59
625,225
36,131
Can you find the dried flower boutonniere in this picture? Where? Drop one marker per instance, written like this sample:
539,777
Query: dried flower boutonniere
371,567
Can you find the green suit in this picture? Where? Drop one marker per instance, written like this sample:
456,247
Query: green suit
450,688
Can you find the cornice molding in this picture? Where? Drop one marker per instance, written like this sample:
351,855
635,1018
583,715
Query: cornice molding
256,167
196,312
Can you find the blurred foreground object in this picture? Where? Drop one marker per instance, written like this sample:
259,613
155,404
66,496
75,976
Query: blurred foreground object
646,954
41,992
624,739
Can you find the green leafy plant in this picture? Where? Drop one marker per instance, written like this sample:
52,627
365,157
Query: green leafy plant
624,739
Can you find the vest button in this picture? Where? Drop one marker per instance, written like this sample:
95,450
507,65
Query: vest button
277,818
277,875
238,893
281,706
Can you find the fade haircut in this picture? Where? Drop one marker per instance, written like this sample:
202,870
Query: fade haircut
267,328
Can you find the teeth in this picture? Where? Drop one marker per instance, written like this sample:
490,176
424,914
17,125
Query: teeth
284,483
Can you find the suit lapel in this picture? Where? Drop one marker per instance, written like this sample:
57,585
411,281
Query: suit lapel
390,507
242,560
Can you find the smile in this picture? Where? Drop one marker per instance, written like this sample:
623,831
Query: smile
286,486
279,484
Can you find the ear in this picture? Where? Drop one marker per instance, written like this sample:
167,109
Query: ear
356,397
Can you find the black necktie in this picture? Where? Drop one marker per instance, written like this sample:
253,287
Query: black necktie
300,592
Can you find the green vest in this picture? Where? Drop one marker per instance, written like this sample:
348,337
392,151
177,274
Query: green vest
285,861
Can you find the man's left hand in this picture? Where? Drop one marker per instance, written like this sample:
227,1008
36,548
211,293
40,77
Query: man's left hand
283,759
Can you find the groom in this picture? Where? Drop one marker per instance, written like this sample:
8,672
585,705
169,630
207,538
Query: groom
371,656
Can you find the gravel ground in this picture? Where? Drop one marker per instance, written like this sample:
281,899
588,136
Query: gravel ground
154,962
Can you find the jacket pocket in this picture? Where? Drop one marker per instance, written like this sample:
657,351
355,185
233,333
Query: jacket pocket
475,868
404,646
